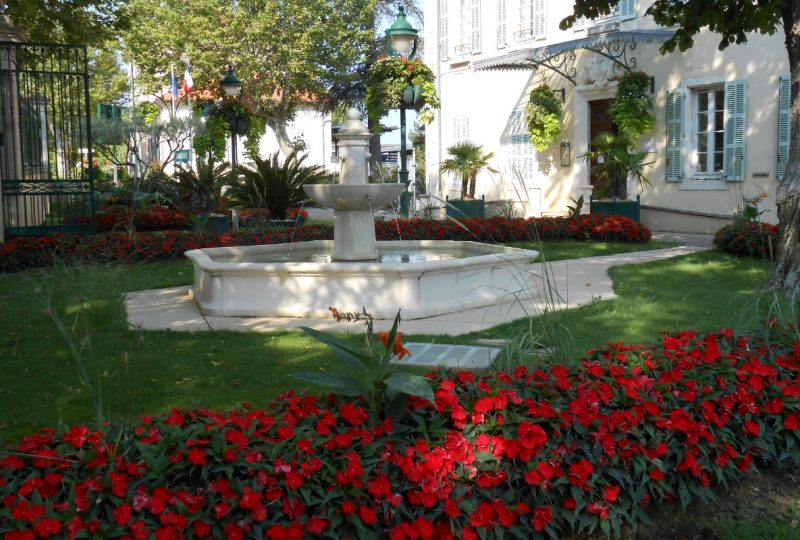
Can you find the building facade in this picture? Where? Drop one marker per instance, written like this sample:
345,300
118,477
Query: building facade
722,117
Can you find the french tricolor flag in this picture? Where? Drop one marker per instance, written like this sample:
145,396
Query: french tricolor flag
188,83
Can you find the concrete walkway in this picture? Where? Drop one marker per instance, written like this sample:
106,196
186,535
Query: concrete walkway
572,282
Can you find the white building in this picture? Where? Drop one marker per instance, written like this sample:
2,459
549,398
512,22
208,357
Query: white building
311,127
492,53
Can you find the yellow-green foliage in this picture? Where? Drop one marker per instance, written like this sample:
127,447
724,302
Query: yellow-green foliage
543,117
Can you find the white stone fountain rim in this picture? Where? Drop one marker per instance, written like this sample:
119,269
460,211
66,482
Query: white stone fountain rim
485,255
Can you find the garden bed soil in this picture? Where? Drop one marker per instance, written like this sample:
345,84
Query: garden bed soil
769,495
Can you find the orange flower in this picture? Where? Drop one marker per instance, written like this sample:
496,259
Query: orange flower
398,349
335,313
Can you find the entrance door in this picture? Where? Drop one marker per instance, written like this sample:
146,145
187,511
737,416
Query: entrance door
599,121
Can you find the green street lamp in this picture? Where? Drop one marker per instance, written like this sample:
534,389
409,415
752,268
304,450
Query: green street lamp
231,86
403,41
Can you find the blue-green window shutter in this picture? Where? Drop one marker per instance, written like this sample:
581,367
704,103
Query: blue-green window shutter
784,123
627,9
674,131
735,130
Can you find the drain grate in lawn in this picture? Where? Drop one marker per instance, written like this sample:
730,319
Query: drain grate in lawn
451,356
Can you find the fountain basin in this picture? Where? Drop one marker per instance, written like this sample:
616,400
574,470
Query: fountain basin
354,196
252,281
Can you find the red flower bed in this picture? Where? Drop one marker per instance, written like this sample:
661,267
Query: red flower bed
526,453
23,253
757,240
152,218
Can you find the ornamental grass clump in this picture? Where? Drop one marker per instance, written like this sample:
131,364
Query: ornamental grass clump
530,453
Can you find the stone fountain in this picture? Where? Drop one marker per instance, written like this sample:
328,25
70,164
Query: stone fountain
303,279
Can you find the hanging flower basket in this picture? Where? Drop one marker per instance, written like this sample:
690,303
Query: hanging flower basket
388,82
543,117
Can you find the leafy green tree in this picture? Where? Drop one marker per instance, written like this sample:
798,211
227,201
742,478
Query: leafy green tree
108,80
287,53
89,22
467,161
733,20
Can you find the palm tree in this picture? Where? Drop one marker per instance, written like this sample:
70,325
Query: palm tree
618,162
275,185
467,161
199,191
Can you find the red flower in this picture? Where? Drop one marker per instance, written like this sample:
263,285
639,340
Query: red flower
752,428
612,492
367,515
348,507
122,514
657,475
47,527
202,529
197,456
580,472
355,415
792,421
598,509
541,517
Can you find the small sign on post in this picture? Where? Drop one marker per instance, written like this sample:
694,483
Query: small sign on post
183,156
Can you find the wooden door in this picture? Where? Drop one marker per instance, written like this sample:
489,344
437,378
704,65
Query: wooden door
599,121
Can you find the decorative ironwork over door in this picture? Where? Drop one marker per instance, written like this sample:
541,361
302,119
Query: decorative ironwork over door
45,139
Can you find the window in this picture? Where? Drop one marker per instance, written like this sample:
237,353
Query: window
460,129
531,20
469,27
443,22
624,10
784,123
706,127
709,137
502,27
521,152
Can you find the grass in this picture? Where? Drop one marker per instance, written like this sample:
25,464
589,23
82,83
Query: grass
148,372
559,250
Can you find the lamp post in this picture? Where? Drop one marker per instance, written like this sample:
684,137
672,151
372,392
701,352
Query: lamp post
403,40
231,86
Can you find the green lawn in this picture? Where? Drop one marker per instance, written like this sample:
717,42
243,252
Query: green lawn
146,372
557,250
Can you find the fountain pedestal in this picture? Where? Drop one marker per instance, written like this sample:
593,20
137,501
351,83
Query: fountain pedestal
354,199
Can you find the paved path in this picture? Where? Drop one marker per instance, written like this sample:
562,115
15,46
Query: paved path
576,282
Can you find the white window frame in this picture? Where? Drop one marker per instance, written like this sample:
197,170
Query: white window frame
521,154
691,180
502,24
444,44
532,20
693,96
469,27
617,14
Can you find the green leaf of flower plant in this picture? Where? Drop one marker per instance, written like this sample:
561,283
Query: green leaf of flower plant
410,384
343,350
387,352
340,384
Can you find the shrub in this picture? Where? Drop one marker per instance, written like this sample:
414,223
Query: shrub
758,240
525,453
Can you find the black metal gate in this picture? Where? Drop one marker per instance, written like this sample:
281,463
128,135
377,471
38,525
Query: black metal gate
45,139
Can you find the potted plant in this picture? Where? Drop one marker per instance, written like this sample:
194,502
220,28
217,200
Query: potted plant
395,81
615,160
543,117
632,110
467,160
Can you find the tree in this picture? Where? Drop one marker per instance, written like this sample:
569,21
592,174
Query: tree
287,53
467,161
89,22
733,20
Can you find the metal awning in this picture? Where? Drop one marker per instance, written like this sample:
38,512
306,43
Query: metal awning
618,46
